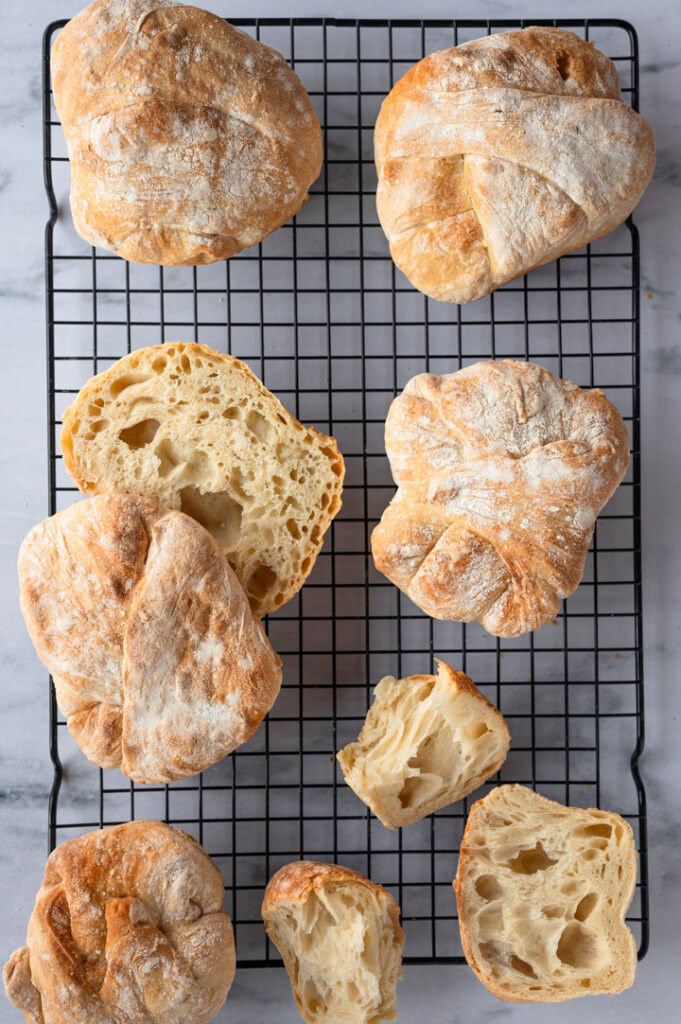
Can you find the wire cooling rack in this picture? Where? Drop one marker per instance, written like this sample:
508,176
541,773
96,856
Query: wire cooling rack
321,314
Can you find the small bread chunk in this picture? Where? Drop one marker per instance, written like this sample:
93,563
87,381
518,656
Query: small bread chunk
427,741
543,891
197,431
340,938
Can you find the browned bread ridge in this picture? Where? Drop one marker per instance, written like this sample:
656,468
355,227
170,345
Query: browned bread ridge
196,430
543,891
501,469
502,154
340,938
128,928
188,140
159,665
427,742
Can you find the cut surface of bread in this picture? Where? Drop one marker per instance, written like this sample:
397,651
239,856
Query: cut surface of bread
340,938
197,431
427,741
543,891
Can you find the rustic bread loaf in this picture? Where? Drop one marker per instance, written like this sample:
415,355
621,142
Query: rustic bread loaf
188,139
543,891
128,928
501,470
159,665
427,741
196,430
504,153
340,938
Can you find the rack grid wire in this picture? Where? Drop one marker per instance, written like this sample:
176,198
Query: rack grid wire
321,314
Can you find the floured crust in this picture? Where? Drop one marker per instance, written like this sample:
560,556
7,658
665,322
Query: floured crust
128,927
542,893
502,154
341,941
501,471
196,430
188,139
427,742
158,663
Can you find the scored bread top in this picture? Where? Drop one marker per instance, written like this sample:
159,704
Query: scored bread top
197,431
427,741
498,155
340,939
501,470
542,892
188,139
159,664
128,928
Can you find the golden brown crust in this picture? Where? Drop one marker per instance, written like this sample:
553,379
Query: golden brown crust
201,404
501,471
158,662
188,139
295,881
473,187
128,927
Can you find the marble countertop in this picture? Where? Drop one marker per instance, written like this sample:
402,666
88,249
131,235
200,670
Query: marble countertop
440,993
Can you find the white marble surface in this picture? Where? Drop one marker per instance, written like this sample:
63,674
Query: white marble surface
441,994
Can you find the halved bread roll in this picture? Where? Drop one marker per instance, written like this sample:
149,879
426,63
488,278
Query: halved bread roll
543,891
196,430
427,741
340,938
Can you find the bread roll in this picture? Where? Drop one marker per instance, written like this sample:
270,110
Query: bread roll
502,154
427,741
159,665
340,938
128,928
188,140
195,430
542,892
501,470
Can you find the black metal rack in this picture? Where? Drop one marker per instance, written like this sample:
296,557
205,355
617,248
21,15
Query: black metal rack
323,317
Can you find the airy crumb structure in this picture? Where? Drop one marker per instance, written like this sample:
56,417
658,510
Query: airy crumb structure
340,939
197,431
427,741
542,891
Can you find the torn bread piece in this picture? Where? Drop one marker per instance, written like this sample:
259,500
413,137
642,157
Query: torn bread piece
543,891
426,742
340,938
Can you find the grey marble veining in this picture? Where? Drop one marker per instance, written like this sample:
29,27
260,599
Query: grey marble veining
443,994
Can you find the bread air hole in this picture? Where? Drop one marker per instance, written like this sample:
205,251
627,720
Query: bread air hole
219,513
586,905
576,946
261,581
428,760
522,967
528,862
259,426
140,434
168,457
128,380
475,730
603,831
488,888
